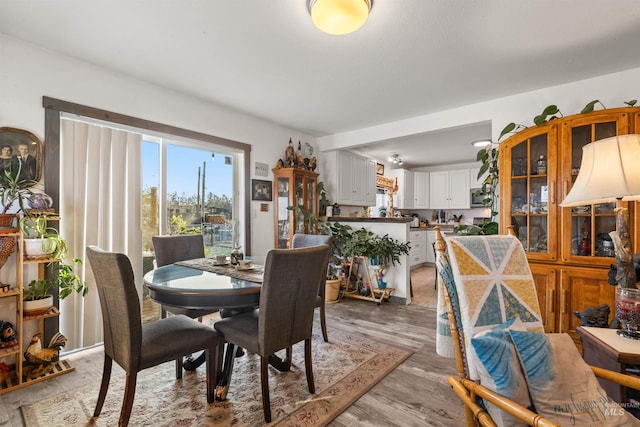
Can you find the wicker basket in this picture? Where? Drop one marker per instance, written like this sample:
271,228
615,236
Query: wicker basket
7,244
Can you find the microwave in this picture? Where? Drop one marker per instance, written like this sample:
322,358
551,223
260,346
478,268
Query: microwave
476,197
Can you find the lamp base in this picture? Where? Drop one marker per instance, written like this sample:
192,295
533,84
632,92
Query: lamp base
621,237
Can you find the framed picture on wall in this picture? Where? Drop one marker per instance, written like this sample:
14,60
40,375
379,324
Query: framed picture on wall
379,169
261,190
20,150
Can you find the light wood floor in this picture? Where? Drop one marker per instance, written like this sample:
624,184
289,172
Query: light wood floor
414,394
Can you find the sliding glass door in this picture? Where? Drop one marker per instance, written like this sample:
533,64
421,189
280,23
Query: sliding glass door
187,188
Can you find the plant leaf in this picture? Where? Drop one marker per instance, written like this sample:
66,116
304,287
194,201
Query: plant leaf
550,109
538,120
589,107
631,103
508,128
481,154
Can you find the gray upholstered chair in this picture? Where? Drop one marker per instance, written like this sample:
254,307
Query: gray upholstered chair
285,314
305,241
181,247
135,346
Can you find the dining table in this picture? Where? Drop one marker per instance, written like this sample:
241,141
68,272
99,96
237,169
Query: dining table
203,283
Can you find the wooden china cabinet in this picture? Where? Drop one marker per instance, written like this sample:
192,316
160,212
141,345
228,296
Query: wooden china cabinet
569,249
296,188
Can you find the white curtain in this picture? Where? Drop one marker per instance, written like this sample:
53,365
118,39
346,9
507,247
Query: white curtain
100,204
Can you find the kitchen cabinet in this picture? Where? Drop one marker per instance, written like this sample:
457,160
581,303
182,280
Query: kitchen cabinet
295,187
370,177
474,181
418,251
404,197
449,189
350,178
20,373
564,246
431,240
420,190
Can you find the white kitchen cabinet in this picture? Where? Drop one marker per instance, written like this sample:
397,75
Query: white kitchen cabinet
449,189
370,177
349,178
431,240
404,197
418,251
421,190
474,181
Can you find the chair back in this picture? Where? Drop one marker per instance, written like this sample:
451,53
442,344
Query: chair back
309,240
287,297
488,282
181,247
120,305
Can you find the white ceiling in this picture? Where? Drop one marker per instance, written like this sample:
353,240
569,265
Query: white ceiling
412,57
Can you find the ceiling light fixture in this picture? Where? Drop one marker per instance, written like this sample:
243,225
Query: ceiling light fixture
395,159
481,143
339,16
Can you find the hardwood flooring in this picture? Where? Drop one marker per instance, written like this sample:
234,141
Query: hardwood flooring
414,394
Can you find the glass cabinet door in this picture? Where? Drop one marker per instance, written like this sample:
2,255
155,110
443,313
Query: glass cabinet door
529,196
586,228
296,191
283,229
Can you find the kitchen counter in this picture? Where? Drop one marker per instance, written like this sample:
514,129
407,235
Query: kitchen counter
397,276
397,220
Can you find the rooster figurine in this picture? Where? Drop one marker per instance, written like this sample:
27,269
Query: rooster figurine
38,355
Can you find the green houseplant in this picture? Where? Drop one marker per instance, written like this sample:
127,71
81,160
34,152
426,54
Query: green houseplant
41,239
37,295
13,189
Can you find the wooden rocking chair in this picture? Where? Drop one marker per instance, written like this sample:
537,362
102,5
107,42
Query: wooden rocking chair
473,394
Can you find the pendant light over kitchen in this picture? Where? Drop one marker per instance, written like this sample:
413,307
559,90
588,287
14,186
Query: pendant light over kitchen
339,16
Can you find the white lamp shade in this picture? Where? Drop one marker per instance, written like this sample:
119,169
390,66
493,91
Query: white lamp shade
339,16
610,170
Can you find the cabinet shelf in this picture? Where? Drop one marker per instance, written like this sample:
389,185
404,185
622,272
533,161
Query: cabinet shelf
52,312
12,293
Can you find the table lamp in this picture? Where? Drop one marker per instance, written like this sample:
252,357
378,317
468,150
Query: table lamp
609,172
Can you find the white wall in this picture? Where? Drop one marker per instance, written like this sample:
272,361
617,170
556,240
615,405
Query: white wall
612,90
27,73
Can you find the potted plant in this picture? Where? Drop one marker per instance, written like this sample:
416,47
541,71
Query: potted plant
40,239
13,189
37,297
385,250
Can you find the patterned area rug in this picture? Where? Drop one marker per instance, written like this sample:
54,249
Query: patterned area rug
344,369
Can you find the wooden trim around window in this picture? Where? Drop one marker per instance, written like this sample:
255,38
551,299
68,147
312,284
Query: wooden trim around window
53,107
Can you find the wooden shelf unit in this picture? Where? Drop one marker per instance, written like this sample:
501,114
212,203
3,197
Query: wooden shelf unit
21,373
376,294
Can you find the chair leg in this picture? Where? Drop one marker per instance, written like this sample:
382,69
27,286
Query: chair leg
179,368
264,380
213,365
323,324
104,385
308,365
127,403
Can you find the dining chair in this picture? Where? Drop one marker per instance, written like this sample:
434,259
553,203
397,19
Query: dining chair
305,241
180,247
285,313
136,346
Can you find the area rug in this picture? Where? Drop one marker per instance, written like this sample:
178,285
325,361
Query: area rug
344,369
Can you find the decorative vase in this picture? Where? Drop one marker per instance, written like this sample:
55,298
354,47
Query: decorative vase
628,312
332,290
